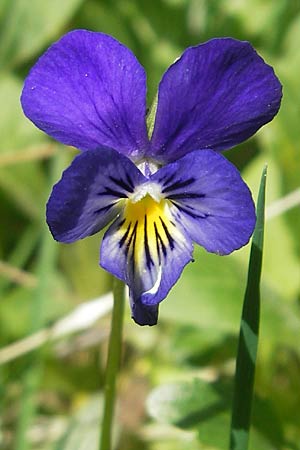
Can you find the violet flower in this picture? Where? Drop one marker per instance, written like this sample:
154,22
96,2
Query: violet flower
161,192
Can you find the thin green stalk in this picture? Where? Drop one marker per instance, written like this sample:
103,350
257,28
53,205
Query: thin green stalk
249,331
113,364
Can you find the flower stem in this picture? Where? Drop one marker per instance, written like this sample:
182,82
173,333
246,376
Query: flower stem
113,363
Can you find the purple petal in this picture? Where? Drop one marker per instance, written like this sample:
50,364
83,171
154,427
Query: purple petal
210,200
90,194
146,249
215,96
143,314
88,90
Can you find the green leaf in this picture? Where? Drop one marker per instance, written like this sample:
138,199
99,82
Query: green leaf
25,29
203,407
192,404
184,404
248,341
196,346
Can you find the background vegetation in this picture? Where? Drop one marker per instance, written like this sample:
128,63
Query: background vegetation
176,379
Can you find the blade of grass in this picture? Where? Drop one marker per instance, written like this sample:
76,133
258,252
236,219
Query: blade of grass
249,331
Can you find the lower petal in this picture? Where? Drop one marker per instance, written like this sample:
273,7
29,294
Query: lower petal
146,249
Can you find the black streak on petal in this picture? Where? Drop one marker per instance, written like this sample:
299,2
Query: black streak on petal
168,180
105,208
185,195
113,193
121,223
170,239
188,210
130,182
132,236
178,185
149,260
133,239
159,241
122,184
124,237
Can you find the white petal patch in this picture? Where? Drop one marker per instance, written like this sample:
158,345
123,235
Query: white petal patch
149,188
156,285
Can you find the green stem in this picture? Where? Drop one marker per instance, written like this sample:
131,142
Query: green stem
113,363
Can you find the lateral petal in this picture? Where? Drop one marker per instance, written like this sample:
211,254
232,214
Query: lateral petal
88,90
90,194
215,96
210,200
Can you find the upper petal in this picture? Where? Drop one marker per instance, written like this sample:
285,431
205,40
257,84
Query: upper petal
215,96
210,200
88,90
90,194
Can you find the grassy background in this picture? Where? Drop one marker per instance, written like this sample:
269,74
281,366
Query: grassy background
50,398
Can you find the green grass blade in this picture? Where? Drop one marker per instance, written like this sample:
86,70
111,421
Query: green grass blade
249,330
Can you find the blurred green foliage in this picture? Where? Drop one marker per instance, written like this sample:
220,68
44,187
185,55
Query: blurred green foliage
50,398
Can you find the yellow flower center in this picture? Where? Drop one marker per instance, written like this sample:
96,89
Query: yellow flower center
147,231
